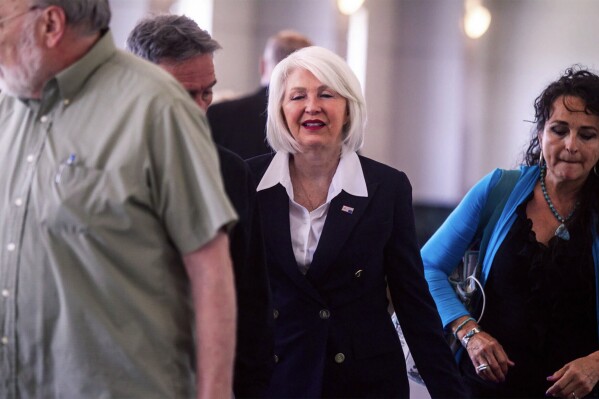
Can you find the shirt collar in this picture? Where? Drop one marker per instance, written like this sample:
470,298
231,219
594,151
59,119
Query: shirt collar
277,172
71,80
67,83
348,177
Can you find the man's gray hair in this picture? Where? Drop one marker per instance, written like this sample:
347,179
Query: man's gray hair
90,16
283,43
170,37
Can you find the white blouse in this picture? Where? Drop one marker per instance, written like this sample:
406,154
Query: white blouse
306,226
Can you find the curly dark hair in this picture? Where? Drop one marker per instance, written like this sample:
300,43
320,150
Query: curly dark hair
576,81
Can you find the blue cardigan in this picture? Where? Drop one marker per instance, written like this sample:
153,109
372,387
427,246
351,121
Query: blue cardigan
443,252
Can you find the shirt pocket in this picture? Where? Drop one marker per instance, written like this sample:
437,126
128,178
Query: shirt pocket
73,198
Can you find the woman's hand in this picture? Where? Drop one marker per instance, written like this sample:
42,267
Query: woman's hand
576,379
483,350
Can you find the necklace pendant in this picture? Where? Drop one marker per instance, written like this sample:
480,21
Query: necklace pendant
562,232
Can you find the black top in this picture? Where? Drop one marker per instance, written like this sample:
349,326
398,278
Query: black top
240,125
540,307
254,348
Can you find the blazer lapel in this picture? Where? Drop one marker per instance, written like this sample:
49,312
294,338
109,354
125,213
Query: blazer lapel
275,215
344,213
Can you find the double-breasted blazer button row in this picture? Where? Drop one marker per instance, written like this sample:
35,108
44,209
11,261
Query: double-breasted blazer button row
339,358
324,314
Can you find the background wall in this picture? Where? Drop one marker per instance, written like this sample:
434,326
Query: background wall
444,108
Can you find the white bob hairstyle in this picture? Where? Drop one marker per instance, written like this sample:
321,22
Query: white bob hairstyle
329,69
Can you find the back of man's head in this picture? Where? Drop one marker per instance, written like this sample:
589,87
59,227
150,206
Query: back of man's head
284,43
89,16
170,37
278,47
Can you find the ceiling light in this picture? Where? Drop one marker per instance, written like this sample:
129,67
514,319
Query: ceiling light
476,21
348,7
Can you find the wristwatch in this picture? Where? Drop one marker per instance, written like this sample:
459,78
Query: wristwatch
466,338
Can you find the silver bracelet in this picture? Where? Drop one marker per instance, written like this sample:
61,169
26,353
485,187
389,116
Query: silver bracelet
466,338
462,324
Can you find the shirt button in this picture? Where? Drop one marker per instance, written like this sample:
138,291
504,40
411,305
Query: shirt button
30,158
324,314
44,119
5,293
358,274
18,202
339,358
66,101
11,246
4,340
275,314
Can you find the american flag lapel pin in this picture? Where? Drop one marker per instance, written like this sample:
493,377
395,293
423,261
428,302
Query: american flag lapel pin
347,209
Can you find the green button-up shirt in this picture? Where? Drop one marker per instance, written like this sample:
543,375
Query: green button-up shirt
104,183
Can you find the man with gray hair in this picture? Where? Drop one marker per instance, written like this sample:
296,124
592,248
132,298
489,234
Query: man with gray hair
115,275
179,46
240,124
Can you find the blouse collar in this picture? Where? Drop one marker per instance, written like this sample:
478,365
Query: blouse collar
348,177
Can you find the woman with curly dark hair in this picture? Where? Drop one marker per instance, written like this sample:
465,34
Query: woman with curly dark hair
539,335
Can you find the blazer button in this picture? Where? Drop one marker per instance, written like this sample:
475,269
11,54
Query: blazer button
339,358
276,359
358,274
324,314
275,314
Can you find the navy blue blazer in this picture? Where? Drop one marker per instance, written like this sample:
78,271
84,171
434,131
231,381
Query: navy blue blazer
333,332
254,349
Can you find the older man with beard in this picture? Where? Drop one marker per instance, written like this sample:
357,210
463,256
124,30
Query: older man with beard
113,236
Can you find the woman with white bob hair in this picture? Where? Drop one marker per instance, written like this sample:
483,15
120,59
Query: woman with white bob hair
339,229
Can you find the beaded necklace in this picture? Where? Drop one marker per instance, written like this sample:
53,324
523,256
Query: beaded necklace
562,231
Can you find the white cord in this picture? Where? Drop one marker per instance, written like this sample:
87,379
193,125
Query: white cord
482,312
482,291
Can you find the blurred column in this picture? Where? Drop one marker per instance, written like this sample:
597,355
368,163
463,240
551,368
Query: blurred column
125,14
200,11
357,44
415,93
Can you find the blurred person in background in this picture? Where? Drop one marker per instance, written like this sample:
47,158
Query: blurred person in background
240,124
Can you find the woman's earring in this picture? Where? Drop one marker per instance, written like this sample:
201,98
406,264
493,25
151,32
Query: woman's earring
541,158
